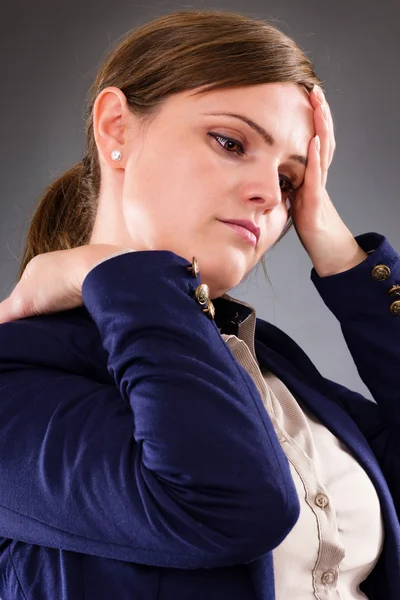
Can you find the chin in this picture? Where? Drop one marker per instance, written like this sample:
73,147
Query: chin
222,270
219,284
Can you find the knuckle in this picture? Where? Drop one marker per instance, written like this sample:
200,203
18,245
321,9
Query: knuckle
20,304
17,302
30,267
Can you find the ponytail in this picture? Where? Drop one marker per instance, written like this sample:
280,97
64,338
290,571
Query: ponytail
64,217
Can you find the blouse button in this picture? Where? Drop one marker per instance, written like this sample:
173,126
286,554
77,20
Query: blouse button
328,577
321,500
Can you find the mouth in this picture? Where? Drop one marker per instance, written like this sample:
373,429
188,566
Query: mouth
247,230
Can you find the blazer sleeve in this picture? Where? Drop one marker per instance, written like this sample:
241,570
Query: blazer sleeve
366,302
176,465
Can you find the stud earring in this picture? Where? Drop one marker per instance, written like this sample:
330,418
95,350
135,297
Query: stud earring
116,155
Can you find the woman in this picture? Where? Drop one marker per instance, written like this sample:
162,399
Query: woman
159,442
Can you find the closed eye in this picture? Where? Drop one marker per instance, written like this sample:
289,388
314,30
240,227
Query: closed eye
223,141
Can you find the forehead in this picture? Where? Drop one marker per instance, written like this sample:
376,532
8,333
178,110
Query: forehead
284,109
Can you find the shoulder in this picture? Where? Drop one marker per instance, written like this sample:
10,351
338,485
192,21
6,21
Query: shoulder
67,340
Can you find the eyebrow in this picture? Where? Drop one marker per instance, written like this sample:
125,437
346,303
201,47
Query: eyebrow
267,137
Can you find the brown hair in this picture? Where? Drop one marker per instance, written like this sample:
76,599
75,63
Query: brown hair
173,53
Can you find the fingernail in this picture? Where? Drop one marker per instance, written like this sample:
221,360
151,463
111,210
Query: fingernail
319,93
317,143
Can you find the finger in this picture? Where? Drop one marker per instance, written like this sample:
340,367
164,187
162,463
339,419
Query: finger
317,97
322,130
4,312
12,309
331,133
312,177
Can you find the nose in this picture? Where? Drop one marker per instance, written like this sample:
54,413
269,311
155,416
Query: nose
262,187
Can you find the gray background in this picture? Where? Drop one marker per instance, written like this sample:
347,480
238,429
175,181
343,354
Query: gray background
49,52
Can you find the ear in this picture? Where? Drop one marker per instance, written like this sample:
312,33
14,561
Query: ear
112,120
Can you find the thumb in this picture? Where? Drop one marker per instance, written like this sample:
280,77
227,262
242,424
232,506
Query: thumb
12,308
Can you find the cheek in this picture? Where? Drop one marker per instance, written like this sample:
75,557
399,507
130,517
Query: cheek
164,197
180,188
173,170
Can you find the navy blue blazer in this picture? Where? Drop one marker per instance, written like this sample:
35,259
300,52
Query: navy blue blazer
137,458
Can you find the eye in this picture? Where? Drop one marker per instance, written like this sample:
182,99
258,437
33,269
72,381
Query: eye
289,187
225,141
229,144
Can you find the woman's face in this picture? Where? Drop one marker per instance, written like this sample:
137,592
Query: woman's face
194,166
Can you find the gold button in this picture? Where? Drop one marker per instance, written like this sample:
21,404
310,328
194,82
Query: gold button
395,308
321,500
394,290
195,267
210,310
380,272
202,293
202,297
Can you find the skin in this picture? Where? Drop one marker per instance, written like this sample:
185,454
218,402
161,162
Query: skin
175,182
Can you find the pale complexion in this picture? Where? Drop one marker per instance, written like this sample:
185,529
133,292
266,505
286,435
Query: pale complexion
175,181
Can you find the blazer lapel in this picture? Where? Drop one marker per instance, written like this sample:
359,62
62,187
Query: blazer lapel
330,413
307,384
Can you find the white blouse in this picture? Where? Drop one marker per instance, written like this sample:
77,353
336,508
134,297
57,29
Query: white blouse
338,537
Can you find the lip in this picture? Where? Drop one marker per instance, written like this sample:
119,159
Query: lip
245,224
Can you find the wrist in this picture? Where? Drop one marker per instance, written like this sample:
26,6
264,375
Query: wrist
340,261
89,256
